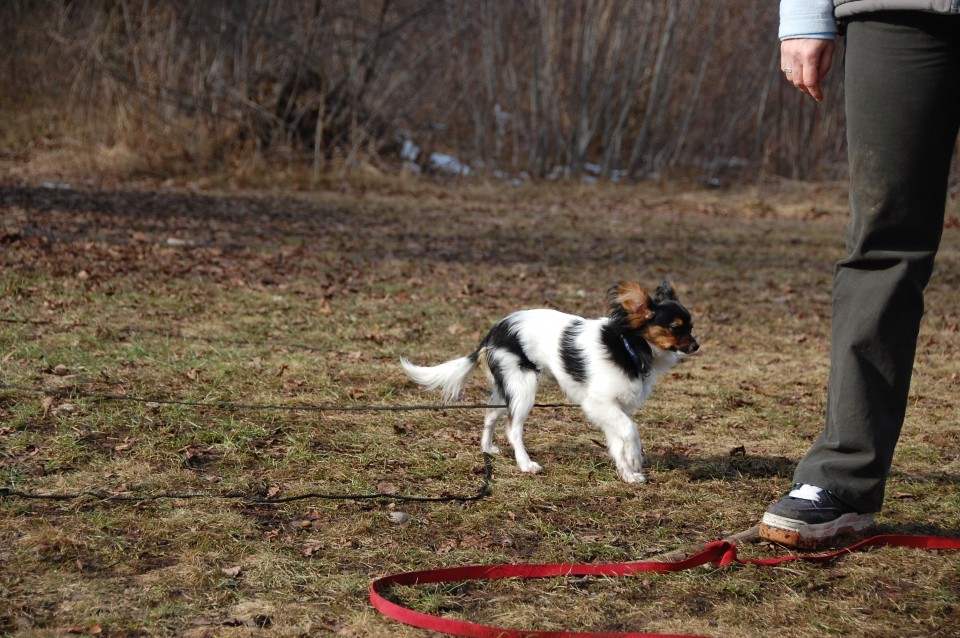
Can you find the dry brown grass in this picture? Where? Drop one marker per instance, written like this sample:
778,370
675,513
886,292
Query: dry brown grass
361,275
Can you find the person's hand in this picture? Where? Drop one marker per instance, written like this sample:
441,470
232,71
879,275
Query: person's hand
805,61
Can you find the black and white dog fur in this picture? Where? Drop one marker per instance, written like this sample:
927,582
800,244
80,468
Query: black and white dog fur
608,366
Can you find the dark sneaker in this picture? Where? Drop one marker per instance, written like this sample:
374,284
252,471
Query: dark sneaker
809,517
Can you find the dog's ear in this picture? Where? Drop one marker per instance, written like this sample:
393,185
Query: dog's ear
633,300
665,292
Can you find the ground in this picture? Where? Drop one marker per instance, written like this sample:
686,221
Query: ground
162,339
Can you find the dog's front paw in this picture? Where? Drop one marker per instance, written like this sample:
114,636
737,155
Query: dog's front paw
492,449
633,477
532,468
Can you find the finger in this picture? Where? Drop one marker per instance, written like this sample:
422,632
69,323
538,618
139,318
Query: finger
818,64
789,69
796,78
826,60
810,79
803,72
787,62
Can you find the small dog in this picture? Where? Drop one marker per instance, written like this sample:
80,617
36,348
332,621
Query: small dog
607,366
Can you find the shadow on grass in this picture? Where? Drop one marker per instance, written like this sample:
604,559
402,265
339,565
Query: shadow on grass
724,468
238,222
937,478
917,529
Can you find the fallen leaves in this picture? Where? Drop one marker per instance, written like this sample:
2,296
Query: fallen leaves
60,370
472,541
124,446
255,614
47,404
293,387
232,572
386,487
195,458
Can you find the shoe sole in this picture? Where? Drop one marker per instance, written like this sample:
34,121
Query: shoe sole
794,533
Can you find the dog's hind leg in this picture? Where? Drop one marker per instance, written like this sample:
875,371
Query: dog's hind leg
521,393
490,420
623,440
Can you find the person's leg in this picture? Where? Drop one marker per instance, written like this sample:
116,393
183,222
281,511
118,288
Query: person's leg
903,108
903,111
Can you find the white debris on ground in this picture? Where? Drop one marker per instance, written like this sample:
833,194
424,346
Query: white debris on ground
440,162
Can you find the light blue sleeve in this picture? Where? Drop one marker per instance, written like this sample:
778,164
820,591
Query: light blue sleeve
807,19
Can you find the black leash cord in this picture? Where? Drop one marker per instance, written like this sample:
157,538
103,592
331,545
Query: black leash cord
99,396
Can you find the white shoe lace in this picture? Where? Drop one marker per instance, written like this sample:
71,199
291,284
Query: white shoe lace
807,492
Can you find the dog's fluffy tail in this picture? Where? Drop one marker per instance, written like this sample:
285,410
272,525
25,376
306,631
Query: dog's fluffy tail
449,376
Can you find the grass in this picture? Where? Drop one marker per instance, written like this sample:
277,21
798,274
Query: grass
309,298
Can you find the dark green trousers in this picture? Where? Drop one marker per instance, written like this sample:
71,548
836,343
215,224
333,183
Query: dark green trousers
903,112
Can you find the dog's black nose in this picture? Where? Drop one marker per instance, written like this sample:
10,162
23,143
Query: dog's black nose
693,347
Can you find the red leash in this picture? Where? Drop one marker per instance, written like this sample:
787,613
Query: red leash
718,553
